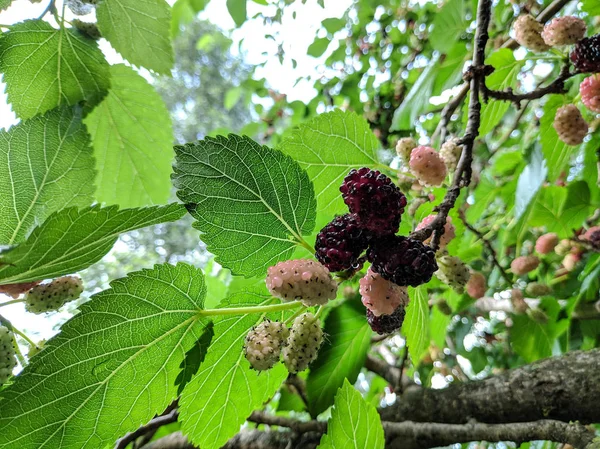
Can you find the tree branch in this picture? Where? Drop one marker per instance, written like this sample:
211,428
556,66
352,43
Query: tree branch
462,174
281,421
153,425
565,388
411,435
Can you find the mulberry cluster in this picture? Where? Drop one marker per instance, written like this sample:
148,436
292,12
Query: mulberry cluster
301,279
264,343
306,337
52,296
8,359
340,243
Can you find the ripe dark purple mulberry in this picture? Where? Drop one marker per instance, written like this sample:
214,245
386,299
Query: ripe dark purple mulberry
341,242
386,324
586,54
402,260
377,202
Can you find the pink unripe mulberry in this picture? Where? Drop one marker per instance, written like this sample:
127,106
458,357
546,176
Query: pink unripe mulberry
449,230
546,243
427,166
570,125
590,92
566,30
301,279
381,296
528,33
570,261
592,235
477,285
524,264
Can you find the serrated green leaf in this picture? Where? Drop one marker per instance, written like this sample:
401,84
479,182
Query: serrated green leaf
448,25
4,4
341,357
416,324
557,153
46,67
46,164
562,210
140,30
237,11
328,147
132,138
71,240
232,96
226,390
353,423
111,368
252,204
417,98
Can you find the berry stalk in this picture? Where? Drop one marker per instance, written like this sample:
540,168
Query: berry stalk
250,309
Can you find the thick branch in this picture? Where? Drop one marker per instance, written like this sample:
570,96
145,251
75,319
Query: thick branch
281,421
411,435
565,388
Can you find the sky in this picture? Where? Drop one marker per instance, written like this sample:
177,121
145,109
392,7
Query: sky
297,34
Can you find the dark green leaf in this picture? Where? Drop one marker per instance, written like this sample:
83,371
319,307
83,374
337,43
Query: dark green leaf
341,357
318,47
237,11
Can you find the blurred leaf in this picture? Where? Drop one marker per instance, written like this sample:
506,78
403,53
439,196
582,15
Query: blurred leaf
450,69
439,323
592,7
341,357
591,166
133,142
557,153
333,25
4,4
140,30
318,47
416,324
448,25
44,67
232,96
353,423
289,400
417,98
530,181
245,196
237,11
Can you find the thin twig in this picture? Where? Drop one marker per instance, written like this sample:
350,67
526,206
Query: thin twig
299,386
154,424
281,421
399,386
488,245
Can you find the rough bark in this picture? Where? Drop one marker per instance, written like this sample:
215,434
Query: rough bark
565,388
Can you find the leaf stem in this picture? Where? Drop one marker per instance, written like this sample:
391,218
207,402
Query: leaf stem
296,313
14,301
319,312
18,352
24,337
250,309
306,245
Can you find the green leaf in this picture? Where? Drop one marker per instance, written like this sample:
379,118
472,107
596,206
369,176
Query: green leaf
557,153
44,67
591,7
195,355
328,147
416,324
448,25
590,166
318,47
417,98
4,4
71,240
333,24
529,182
232,96
237,11
530,339
132,138
341,357
111,368
505,75
140,30
252,204
353,423
46,164
226,390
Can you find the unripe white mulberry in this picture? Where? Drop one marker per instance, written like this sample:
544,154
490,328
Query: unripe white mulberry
381,296
570,125
566,30
477,285
446,237
8,359
524,264
404,147
453,272
427,166
537,289
301,279
546,243
528,33
590,92
52,296
450,153
306,337
263,344
563,247
570,261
